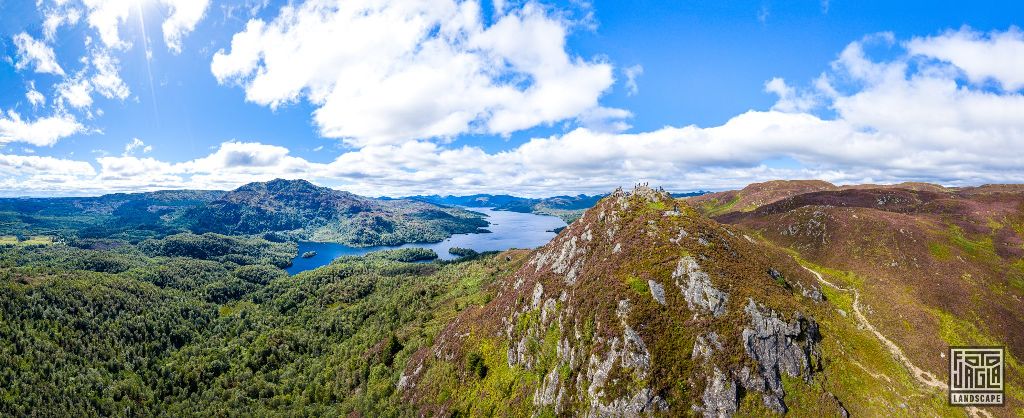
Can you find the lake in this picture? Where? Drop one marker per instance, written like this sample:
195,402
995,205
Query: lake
508,230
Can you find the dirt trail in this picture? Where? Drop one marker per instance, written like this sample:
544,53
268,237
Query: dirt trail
925,378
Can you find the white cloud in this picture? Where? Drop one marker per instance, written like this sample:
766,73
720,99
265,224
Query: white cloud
107,17
75,91
135,168
106,80
184,16
392,71
34,96
37,54
789,99
997,56
42,132
20,165
604,119
54,18
243,156
136,144
632,73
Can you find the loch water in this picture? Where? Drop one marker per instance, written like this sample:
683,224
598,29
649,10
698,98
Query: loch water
508,230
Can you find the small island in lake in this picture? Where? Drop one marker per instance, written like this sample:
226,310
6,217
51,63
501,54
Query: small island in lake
462,252
405,255
309,254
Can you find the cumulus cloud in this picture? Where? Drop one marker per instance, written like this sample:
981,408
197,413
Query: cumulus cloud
384,72
101,77
995,56
246,156
789,99
135,168
36,54
106,16
184,16
42,132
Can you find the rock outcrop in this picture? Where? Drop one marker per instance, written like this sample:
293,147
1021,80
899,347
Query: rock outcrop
778,346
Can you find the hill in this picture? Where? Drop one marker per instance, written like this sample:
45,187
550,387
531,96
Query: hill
644,307
934,267
297,209
755,195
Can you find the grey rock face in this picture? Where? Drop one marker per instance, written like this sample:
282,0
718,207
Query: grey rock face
697,289
777,346
657,291
720,396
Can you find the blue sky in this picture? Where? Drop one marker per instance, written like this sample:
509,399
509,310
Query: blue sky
531,98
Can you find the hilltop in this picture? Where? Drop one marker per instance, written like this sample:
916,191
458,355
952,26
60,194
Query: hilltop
297,209
755,195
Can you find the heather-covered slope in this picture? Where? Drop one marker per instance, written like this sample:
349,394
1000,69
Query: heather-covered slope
644,307
755,195
934,267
